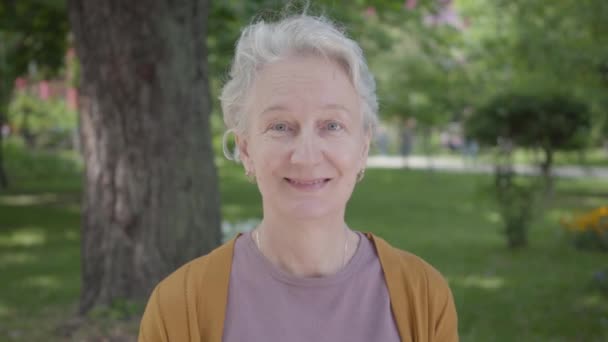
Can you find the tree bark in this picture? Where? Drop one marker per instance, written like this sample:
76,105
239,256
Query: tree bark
151,198
546,170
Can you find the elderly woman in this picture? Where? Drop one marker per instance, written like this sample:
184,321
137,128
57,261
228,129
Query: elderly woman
302,105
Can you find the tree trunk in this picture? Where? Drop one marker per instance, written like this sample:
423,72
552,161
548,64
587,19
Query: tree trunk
426,143
151,198
546,170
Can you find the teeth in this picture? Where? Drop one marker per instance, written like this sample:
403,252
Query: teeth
307,183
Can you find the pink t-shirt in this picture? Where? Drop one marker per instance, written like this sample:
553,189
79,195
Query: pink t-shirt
266,304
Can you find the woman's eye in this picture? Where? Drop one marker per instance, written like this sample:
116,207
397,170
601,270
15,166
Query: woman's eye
333,126
279,127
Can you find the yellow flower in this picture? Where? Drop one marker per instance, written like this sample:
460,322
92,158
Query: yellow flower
595,220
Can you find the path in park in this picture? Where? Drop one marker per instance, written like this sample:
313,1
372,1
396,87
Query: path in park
455,164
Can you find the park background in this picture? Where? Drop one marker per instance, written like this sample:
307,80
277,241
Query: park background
491,161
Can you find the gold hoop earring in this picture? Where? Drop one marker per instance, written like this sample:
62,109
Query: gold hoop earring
360,175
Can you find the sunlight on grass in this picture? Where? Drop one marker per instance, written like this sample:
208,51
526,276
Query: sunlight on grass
42,281
239,211
232,210
27,199
481,282
4,310
219,161
26,237
594,301
71,235
467,207
72,208
492,216
16,258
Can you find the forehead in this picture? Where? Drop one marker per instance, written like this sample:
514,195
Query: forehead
303,84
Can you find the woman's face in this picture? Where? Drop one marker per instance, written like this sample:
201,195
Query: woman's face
305,141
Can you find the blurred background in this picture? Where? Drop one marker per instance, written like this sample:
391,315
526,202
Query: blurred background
490,160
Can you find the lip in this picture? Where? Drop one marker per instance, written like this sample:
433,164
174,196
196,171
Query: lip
312,184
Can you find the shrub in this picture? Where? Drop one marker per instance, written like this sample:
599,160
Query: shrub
42,123
516,202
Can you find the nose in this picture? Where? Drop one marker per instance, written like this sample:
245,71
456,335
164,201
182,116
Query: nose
307,148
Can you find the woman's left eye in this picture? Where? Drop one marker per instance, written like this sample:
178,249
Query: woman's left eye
333,126
279,126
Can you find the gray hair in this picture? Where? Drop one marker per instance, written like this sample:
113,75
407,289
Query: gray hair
262,43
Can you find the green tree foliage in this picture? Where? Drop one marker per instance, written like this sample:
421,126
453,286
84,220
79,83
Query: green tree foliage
42,123
414,63
420,68
554,121
539,46
31,33
548,122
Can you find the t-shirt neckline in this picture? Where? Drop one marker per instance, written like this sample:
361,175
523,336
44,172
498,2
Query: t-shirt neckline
280,275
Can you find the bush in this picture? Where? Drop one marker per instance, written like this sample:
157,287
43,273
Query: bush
516,202
42,123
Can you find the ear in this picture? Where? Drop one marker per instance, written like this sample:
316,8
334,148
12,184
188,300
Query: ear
242,145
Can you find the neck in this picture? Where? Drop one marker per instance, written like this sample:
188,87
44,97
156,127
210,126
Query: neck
305,248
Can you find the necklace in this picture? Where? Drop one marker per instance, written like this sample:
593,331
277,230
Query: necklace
259,244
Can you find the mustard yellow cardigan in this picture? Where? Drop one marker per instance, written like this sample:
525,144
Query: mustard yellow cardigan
190,304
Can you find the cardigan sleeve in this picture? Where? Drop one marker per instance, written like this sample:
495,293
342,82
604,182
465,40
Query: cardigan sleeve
152,327
444,315
165,318
421,299
190,304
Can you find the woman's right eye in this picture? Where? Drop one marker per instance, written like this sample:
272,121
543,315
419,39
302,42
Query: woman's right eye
279,127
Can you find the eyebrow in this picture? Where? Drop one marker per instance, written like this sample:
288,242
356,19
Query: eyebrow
274,108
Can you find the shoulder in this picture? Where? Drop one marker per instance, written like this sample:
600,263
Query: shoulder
420,295
408,269
176,300
421,268
207,269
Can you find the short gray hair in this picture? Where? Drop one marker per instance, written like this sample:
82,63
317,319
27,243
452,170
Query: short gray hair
262,43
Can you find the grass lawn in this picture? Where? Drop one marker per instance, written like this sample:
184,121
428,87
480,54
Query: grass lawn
537,294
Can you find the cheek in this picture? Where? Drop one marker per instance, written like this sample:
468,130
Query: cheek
358,147
267,155
349,157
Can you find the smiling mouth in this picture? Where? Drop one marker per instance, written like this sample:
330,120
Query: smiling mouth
307,184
